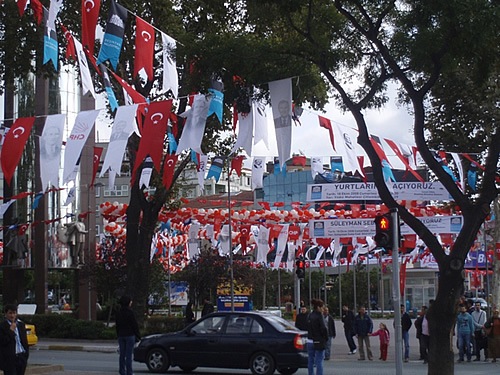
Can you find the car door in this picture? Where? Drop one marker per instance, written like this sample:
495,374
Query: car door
239,340
200,345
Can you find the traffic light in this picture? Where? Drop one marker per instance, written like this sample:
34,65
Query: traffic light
300,270
384,231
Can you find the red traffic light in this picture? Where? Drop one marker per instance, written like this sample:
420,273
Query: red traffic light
300,266
383,231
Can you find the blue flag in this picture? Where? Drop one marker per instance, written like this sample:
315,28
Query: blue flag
216,168
387,172
172,143
336,164
472,177
113,103
36,200
216,104
50,45
113,37
277,169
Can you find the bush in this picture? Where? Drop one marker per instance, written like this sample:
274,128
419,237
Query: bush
162,324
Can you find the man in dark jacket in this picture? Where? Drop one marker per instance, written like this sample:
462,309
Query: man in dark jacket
348,320
363,326
127,331
405,328
301,319
14,349
330,326
208,308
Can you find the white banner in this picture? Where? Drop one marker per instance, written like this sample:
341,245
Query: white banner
50,150
258,172
170,78
123,127
87,84
281,100
193,241
331,228
281,245
262,244
260,124
245,132
192,134
360,191
84,123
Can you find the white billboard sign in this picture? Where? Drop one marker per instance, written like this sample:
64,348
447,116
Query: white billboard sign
360,191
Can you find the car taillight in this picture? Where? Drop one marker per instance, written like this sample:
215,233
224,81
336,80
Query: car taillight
298,342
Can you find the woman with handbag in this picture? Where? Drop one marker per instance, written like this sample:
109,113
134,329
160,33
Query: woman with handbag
492,329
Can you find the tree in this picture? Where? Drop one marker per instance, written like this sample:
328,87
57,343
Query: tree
411,43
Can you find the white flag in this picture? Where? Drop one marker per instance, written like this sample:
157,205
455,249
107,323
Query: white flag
225,242
146,172
262,245
192,134
87,84
84,124
50,150
292,247
281,245
71,196
193,241
345,144
201,171
316,165
260,124
258,172
245,132
281,100
123,127
170,78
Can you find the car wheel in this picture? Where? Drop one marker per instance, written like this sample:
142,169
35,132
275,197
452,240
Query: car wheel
288,370
157,360
187,369
262,364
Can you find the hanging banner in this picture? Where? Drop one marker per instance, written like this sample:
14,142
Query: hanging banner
360,191
50,150
366,227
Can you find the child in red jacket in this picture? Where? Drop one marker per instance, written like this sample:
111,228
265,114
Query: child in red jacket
384,337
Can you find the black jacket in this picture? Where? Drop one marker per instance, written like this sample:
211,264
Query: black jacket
330,326
301,321
405,322
8,344
316,330
348,320
126,324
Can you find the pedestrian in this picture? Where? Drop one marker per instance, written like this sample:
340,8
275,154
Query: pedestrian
384,338
14,349
405,330
492,327
317,335
207,307
127,331
479,339
348,320
330,327
363,326
189,314
465,329
301,319
422,327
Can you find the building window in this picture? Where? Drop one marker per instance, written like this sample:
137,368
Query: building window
118,191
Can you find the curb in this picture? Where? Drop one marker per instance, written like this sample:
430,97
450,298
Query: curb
41,369
85,348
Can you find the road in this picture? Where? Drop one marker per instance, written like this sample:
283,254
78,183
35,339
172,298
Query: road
95,363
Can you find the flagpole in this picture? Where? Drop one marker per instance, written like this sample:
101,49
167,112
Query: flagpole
231,273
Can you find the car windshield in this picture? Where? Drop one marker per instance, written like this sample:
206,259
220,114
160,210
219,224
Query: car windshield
279,323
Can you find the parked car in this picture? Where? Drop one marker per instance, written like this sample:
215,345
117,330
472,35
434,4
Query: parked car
258,341
29,309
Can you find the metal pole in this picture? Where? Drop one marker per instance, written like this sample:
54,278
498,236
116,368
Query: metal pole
368,279
396,292
354,285
324,276
487,294
340,290
279,288
230,232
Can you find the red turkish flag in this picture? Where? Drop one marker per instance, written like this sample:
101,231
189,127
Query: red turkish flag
153,134
244,237
275,231
168,170
265,205
37,7
13,146
90,14
136,97
21,5
70,47
237,164
327,124
97,160
144,47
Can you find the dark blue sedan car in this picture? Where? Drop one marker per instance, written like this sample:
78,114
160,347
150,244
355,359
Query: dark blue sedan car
260,342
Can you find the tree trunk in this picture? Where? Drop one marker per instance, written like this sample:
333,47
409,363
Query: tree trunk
442,315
